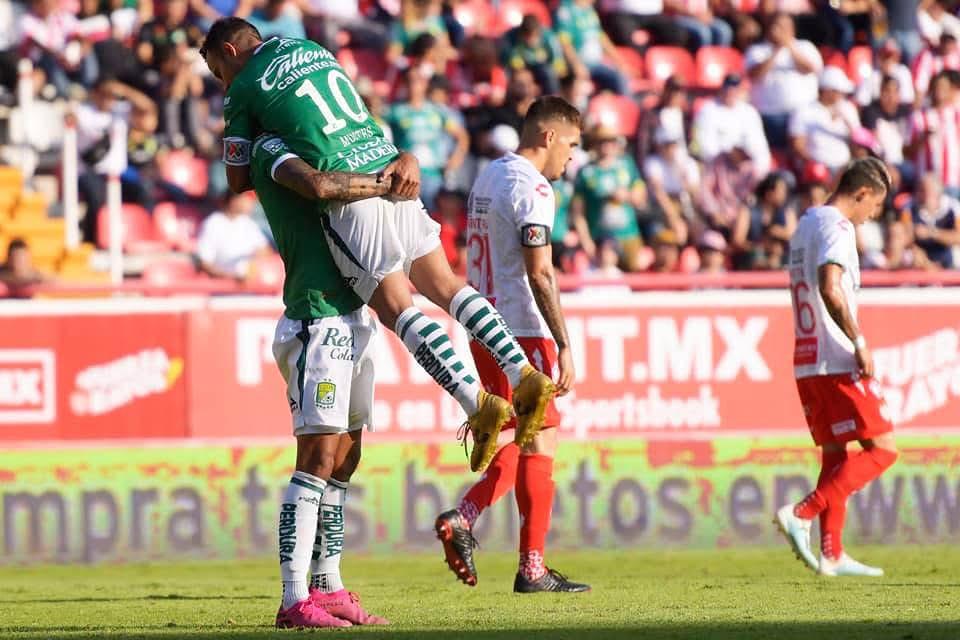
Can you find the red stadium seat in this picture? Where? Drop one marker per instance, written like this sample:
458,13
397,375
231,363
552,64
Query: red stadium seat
186,171
512,12
689,260
860,61
633,66
620,112
178,225
267,271
137,233
169,272
713,63
368,64
478,18
663,62
833,58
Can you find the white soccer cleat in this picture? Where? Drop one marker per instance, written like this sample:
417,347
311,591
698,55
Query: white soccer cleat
797,532
847,566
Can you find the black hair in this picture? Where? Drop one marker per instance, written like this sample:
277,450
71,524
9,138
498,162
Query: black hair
551,108
226,30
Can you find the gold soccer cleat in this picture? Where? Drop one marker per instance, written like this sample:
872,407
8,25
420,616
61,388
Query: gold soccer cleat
485,424
530,400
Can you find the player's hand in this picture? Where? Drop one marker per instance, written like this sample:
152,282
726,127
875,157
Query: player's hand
405,175
864,361
565,380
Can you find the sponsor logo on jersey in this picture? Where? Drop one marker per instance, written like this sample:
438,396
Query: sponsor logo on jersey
543,190
534,235
326,394
339,344
27,386
298,63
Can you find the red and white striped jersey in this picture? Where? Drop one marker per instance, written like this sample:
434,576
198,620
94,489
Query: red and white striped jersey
929,64
940,151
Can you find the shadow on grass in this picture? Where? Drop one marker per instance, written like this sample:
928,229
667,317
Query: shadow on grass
680,631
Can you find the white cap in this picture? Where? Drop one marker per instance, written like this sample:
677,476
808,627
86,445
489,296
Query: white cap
666,135
835,79
504,138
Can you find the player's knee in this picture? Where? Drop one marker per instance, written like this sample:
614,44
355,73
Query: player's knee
348,465
319,463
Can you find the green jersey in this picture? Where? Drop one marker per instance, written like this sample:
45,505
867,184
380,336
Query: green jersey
563,194
579,26
597,185
297,90
313,286
424,132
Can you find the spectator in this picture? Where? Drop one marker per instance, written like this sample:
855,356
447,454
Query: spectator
783,71
521,92
730,121
670,113
230,240
421,127
586,46
666,252
723,197
375,104
479,80
18,272
825,23
889,120
899,252
820,132
888,65
637,23
9,39
451,214
703,27
206,12
934,217
771,223
608,195
934,21
533,46
170,30
102,126
275,18
608,258
934,60
563,195
178,95
934,136
325,20
51,38
418,17
902,21
712,249
672,178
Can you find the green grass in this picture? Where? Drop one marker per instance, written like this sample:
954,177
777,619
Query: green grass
648,595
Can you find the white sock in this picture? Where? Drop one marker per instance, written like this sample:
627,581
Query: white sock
487,326
328,547
299,512
433,351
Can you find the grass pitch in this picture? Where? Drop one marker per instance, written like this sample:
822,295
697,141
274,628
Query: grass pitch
709,595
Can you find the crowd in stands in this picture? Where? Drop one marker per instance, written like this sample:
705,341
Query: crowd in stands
711,125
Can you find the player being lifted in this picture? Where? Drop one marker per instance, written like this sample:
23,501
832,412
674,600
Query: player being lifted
511,212
297,90
834,367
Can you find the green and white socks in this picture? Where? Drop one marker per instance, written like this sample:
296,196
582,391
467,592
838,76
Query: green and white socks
485,325
432,349
328,546
299,512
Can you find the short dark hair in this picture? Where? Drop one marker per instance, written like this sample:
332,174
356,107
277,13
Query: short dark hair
887,79
226,30
17,244
550,109
423,43
871,173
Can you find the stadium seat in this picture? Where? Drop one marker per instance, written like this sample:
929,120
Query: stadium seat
186,171
860,61
513,11
633,63
619,112
267,271
177,224
367,63
137,234
663,62
478,18
713,63
168,272
833,58
689,260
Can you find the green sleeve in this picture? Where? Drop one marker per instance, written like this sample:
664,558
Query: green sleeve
239,128
269,152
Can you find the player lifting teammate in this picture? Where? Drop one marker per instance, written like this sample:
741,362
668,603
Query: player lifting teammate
297,90
834,367
511,212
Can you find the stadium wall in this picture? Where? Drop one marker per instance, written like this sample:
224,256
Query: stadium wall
148,429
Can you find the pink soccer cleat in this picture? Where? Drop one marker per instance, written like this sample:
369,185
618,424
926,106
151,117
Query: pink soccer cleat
344,605
306,614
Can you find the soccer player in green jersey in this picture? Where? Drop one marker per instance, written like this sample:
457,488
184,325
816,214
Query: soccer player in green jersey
322,347
296,89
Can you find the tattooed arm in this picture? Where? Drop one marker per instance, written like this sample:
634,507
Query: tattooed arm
296,175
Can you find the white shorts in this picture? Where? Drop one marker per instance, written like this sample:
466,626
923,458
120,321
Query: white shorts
328,366
370,239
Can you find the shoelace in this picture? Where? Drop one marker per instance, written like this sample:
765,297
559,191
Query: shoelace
462,434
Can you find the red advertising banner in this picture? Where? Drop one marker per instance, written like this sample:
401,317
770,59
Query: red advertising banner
75,377
676,365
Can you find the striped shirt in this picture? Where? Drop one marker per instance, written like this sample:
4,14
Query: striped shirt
940,152
929,64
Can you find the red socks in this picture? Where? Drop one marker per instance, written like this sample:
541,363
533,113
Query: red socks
534,494
833,489
499,478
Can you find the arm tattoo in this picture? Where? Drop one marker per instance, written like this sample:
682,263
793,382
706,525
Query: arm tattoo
547,296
